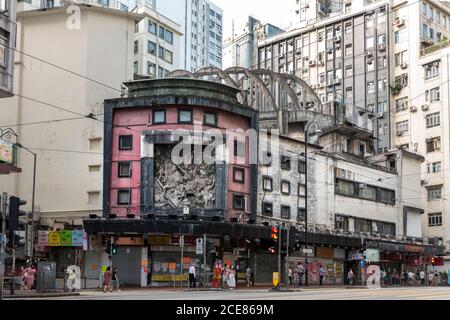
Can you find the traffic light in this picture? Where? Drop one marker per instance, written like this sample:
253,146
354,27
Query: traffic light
433,261
275,234
113,249
272,250
108,247
362,247
15,212
16,239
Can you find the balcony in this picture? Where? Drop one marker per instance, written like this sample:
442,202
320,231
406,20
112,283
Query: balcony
431,49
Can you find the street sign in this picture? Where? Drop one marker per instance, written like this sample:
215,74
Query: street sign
275,279
186,210
307,251
362,263
29,241
199,246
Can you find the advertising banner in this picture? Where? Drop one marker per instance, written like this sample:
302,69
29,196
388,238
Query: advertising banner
372,255
6,152
43,238
77,238
66,238
54,239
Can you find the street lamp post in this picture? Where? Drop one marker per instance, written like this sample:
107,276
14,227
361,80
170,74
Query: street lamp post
318,132
32,197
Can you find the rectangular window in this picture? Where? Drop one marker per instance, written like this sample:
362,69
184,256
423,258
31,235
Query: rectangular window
151,48
434,167
239,148
386,196
267,184
161,32
301,190
160,52
210,119
168,56
431,70
401,104
238,202
346,188
433,119
435,219
184,116
267,209
124,169
367,192
285,212
125,142
363,225
433,144
402,127
434,193
341,223
301,166
136,47
94,168
239,175
159,116
370,87
285,163
386,228
348,50
152,27
169,36
151,68
123,197
435,94
93,197
285,187
349,71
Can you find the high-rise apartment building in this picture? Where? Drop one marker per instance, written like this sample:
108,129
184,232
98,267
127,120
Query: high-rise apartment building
241,49
387,59
201,24
7,45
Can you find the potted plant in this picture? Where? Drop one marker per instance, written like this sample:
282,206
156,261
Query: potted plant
395,87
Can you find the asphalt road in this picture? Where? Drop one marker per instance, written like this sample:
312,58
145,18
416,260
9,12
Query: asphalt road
435,293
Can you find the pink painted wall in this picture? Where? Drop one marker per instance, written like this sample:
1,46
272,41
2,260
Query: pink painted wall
140,119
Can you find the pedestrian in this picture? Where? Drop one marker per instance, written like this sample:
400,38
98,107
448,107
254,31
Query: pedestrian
321,274
411,277
30,274
231,278
115,280
396,278
290,275
71,281
383,277
225,277
107,280
405,278
422,278
300,272
430,278
248,275
192,277
350,276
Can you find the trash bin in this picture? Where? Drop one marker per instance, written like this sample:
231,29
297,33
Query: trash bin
46,276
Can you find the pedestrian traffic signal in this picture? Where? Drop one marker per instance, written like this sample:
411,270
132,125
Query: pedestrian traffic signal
433,261
15,212
272,250
15,240
113,249
362,247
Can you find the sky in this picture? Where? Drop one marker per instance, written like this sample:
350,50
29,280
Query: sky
277,12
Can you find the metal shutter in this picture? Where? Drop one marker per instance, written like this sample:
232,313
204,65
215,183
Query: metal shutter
128,264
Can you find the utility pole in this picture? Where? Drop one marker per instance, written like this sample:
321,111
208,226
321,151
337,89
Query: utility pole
287,258
13,260
181,260
3,209
279,255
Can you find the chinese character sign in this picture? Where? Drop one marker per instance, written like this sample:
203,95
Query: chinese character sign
54,238
66,238
77,238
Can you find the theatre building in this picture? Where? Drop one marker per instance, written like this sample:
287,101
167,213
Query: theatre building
151,199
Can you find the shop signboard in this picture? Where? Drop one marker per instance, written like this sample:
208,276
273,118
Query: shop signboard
355,255
54,239
414,249
324,252
66,238
372,255
77,238
43,238
414,261
159,240
6,152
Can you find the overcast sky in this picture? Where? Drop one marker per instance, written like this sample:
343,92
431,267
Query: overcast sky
277,12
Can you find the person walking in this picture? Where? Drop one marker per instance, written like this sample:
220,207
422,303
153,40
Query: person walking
411,277
300,272
383,277
107,280
290,275
30,274
350,276
232,278
71,281
422,278
321,274
248,275
192,277
405,278
115,280
430,278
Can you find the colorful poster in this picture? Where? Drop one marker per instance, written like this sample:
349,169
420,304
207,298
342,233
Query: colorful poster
65,238
43,238
6,152
77,238
54,238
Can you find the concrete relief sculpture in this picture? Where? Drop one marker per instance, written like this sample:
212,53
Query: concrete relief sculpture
185,185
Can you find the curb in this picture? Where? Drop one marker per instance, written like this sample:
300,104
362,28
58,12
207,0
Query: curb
50,295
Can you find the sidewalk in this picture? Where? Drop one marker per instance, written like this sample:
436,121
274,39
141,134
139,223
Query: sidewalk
20,294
